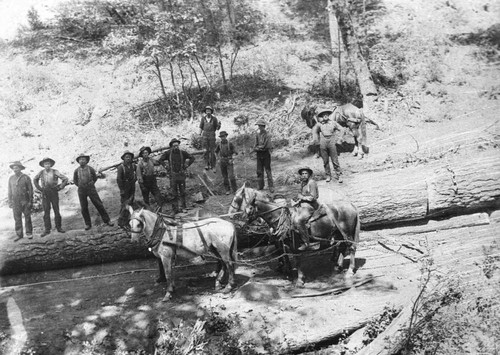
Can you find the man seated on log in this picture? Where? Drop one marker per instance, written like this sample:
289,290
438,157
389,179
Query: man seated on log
307,204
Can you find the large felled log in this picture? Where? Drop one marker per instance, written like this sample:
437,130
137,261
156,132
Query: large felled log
440,189
74,248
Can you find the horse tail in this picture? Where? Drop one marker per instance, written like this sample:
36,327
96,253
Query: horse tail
357,230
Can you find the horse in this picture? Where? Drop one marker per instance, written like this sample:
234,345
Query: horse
338,226
168,239
348,116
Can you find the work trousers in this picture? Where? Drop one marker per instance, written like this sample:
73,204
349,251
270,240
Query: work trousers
264,163
91,192
127,195
328,150
178,186
50,197
18,209
209,146
150,186
227,170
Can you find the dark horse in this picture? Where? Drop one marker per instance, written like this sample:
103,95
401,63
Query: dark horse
212,236
348,116
338,226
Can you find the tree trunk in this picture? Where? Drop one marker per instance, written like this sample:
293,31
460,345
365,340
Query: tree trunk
335,44
351,45
159,75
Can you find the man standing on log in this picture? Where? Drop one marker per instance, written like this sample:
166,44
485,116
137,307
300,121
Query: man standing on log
21,199
85,177
263,148
225,151
146,176
307,202
177,162
47,182
326,131
208,125
126,178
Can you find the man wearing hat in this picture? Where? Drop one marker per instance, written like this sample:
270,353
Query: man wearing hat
126,178
46,181
208,125
263,148
307,202
146,176
326,131
21,199
85,177
177,161
225,151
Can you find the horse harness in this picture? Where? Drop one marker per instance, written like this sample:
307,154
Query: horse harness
160,229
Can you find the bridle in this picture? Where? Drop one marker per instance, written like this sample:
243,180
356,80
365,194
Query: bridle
140,224
251,202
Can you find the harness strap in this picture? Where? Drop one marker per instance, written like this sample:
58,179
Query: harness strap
202,237
180,234
157,235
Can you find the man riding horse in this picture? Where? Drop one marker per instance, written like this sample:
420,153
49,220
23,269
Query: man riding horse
307,203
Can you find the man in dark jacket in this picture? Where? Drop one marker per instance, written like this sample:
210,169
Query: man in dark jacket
177,162
146,176
208,125
47,182
263,148
85,177
126,178
225,151
21,199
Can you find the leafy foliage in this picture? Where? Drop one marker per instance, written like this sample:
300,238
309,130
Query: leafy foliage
378,325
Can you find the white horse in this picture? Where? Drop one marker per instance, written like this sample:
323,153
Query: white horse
212,236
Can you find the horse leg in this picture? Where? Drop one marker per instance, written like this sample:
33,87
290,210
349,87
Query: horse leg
220,275
167,258
337,267
161,278
300,275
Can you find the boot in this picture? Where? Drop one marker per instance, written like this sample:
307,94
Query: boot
60,230
306,237
328,178
45,233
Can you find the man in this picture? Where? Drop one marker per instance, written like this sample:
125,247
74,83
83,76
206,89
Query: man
146,176
225,151
20,194
85,177
126,178
47,182
208,125
307,202
263,148
326,131
177,161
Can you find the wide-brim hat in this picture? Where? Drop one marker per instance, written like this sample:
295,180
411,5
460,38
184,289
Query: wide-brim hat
51,161
143,149
261,122
223,134
323,110
306,168
127,152
209,108
83,156
175,140
17,163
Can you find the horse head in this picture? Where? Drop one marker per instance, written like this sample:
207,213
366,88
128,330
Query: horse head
136,223
307,115
243,201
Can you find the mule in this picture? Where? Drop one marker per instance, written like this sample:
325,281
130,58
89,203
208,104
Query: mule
338,226
167,240
348,116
